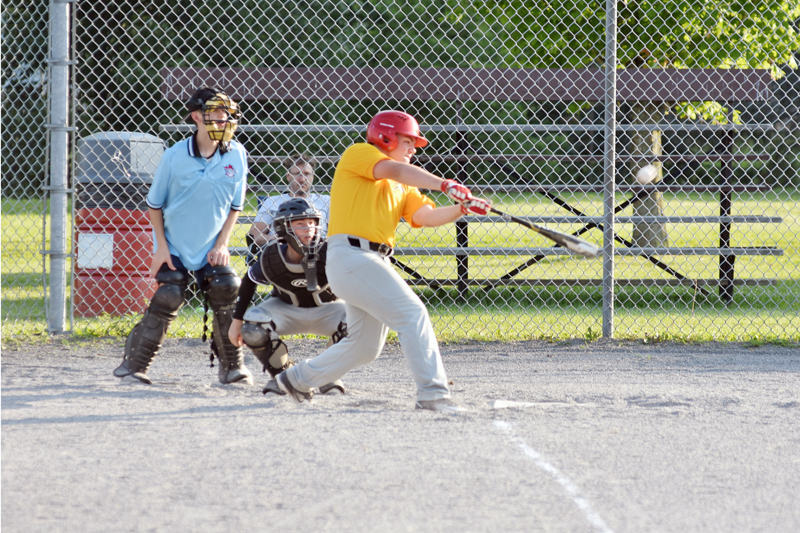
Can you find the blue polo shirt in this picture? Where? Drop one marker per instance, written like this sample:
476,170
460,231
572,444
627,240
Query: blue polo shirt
196,195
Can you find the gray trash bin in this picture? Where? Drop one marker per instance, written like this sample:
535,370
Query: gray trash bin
115,169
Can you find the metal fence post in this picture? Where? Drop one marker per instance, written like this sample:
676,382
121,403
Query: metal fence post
609,167
58,126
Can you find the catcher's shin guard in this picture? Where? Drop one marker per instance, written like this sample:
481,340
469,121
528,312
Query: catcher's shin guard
339,334
222,285
335,387
258,333
146,337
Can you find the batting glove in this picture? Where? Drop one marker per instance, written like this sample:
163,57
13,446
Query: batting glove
455,191
476,206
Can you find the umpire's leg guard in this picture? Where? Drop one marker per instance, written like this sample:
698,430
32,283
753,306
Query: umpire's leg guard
146,337
258,333
222,286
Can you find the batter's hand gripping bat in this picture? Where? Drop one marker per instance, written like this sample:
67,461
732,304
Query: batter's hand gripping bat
569,242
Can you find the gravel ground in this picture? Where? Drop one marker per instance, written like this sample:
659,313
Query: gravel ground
606,436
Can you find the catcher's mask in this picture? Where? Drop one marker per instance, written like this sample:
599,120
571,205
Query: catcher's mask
300,209
219,128
297,209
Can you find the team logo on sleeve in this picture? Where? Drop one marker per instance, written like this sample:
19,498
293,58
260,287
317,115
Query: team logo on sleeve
230,171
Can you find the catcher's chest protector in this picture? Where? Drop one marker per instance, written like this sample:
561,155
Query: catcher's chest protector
290,286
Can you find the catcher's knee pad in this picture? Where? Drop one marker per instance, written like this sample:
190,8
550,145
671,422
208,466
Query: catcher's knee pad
146,337
339,334
258,333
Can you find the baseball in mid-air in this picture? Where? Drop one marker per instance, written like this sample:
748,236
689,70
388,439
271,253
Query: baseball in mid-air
646,174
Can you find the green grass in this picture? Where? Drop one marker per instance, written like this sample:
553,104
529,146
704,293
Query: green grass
758,314
22,309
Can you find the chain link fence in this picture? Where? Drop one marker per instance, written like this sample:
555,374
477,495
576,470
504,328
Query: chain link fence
23,162
513,99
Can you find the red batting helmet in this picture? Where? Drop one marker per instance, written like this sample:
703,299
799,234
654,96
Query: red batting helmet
384,127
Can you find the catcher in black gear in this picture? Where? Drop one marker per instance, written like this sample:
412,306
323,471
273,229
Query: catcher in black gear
301,301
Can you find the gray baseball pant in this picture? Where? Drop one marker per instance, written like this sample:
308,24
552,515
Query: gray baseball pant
377,299
291,320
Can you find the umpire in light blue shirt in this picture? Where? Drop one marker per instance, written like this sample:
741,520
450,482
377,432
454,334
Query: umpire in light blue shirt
195,199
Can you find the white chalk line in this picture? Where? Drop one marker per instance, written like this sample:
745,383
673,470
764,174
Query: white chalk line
569,487
505,404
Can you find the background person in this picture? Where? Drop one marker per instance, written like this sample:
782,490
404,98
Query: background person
374,186
301,301
194,200
299,179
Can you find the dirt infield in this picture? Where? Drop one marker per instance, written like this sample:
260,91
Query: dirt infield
606,436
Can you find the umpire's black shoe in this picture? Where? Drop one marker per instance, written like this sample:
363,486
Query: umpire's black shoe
286,386
122,371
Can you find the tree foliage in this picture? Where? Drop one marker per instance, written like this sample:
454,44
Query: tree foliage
658,34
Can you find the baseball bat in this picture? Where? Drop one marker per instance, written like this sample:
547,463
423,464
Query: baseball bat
579,246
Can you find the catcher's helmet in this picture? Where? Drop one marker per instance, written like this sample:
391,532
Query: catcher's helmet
384,127
208,100
297,209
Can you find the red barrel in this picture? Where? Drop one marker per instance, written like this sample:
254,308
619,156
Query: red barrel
113,238
113,251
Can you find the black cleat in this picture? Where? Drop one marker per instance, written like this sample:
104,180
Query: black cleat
333,388
286,386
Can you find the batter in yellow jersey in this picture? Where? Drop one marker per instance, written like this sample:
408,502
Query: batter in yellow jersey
366,207
375,186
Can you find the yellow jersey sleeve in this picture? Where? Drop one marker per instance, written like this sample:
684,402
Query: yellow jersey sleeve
415,200
365,207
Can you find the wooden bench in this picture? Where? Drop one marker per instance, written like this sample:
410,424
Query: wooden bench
519,85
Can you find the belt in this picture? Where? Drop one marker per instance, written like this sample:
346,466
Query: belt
384,249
